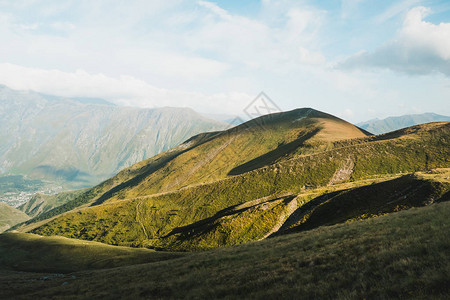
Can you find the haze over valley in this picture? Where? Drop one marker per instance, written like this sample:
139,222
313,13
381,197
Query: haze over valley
50,144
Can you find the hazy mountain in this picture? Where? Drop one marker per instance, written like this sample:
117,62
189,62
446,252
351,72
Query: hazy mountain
84,141
10,216
377,126
289,171
232,120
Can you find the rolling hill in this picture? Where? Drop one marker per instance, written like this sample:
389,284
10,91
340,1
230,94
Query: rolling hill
10,216
378,126
33,253
402,255
213,156
252,181
81,142
41,203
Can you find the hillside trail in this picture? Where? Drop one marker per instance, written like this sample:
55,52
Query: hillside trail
302,209
139,219
290,208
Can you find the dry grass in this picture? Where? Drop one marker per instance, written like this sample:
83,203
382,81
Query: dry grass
402,255
30,252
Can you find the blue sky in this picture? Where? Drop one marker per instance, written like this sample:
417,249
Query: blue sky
357,59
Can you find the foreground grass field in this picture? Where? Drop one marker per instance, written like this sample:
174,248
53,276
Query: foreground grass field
30,252
400,255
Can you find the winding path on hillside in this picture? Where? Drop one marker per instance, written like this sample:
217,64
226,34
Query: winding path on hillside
139,219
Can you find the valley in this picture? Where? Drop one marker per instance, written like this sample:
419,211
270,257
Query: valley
51,144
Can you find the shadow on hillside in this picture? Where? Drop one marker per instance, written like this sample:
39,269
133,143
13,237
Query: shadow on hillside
148,169
304,210
272,156
365,202
205,225
156,165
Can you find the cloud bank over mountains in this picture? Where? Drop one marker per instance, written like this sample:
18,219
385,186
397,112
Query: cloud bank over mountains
124,90
419,48
217,56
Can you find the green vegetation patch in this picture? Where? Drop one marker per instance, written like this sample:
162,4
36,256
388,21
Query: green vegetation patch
402,256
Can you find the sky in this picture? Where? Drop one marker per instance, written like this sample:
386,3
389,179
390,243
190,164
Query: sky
356,59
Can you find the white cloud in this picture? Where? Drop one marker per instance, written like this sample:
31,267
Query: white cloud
124,90
434,39
63,26
347,113
170,64
33,26
196,46
259,43
198,54
395,9
420,47
222,13
309,57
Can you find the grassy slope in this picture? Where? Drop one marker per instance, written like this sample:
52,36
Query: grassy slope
10,216
41,203
278,215
401,255
209,157
29,252
376,199
218,157
147,220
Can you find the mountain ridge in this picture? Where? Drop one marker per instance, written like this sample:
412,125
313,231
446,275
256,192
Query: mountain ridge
280,156
80,144
380,126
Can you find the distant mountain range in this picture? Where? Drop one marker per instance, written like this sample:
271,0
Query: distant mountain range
80,142
377,126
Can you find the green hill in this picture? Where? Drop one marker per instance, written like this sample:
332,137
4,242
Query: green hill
209,157
402,256
41,203
33,253
10,216
213,156
243,184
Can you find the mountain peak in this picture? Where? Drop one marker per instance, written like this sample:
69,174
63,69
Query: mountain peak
327,126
